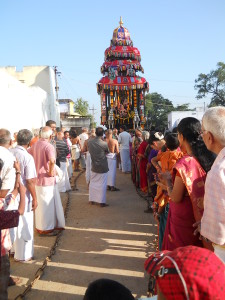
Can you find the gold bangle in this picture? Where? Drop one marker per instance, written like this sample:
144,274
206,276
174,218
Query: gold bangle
18,172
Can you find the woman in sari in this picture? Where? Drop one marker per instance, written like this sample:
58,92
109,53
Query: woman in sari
135,145
142,162
186,187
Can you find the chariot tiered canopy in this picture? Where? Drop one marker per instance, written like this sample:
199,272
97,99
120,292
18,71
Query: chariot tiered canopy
122,90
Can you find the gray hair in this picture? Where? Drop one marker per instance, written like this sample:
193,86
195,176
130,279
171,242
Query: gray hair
214,121
46,132
145,135
36,131
5,136
24,137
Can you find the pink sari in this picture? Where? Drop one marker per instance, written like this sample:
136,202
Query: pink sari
179,228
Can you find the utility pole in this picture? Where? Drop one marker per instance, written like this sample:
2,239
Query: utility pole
57,73
93,115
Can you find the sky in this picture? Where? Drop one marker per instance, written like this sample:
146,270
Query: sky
177,39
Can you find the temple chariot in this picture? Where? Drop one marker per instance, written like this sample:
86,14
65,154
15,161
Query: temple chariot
121,90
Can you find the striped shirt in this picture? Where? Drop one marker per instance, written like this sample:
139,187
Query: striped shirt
62,150
213,220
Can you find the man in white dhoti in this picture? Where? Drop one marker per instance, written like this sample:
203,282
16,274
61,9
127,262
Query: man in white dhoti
124,141
62,152
49,215
24,240
112,160
98,182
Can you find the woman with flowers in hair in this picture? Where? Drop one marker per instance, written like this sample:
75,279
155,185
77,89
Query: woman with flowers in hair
186,187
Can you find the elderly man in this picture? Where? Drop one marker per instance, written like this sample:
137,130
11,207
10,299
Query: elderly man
213,220
98,182
49,213
124,141
24,242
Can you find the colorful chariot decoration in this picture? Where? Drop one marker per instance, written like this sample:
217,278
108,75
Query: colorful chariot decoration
122,91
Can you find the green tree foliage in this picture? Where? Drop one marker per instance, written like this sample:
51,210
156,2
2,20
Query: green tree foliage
157,109
81,107
182,107
212,83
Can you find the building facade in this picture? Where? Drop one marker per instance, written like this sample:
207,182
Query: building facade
31,93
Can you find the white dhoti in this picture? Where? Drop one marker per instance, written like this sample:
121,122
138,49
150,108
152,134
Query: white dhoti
125,160
75,151
49,213
220,252
69,167
97,187
88,167
83,161
111,179
64,183
24,242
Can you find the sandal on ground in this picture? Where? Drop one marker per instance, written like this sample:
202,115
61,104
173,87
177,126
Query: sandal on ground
104,205
14,281
114,189
109,188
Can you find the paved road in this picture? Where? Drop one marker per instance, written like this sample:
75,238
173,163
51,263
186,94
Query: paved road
110,242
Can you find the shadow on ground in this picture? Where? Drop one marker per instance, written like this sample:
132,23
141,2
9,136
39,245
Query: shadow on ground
111,242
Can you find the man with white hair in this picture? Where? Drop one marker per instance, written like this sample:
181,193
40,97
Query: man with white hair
213,220
49,213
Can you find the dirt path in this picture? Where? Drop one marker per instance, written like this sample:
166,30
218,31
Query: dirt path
111,242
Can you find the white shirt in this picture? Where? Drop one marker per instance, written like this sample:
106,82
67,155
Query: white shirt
124,140
83,137
28,170
8,173
213,219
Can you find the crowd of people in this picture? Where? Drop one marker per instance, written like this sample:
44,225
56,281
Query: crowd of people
181,174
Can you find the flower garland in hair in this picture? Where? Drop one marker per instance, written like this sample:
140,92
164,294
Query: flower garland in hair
159,136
